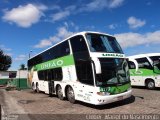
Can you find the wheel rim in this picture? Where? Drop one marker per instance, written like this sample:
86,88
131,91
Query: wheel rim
32,86
70,94
150,85
60,94
37,88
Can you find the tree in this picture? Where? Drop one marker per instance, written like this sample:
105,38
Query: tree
22,67
5,61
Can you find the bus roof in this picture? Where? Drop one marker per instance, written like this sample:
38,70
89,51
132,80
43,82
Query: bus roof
79,33
144,55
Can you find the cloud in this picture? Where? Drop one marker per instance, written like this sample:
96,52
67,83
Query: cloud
115,3
135,22
112,26
43,43
95,5
62,33
90,28
60,15
98,5
24,16
148,3
133,39
20,58
55,7
6,51
63,13
9,54
3,47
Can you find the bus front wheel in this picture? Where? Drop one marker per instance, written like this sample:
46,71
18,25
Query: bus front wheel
37,88
33,87
70,95
150,84
59,92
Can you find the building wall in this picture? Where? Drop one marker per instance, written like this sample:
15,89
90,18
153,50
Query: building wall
20,80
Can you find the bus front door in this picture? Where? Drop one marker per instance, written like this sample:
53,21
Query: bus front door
51,87
83,65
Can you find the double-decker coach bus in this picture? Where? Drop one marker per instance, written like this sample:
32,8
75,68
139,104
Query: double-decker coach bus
88,66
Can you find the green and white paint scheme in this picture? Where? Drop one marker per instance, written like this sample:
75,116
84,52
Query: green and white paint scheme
60,62
144,70
81,91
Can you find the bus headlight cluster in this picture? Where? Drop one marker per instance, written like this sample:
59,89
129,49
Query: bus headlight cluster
103,93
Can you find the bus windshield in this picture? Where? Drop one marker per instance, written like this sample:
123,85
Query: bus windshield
114,71
155,58
103,43
156,61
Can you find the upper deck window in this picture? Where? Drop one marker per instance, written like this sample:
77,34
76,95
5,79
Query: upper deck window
55,52
103,43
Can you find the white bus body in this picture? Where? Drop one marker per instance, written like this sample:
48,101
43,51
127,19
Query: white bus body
88,66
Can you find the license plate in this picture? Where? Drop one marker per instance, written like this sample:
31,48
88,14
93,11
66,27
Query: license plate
120,98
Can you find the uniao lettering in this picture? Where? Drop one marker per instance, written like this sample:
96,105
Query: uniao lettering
52,64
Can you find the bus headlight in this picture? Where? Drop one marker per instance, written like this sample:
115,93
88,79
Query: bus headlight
103,93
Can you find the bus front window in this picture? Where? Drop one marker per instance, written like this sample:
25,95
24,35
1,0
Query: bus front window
103,43
156,66
114,71
156,63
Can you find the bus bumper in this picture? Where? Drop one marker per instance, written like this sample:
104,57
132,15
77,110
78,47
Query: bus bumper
157,83
101,100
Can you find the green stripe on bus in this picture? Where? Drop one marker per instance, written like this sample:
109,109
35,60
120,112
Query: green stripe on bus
59,62
116,89
142,72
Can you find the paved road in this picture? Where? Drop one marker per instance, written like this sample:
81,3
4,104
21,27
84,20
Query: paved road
143,101
9,106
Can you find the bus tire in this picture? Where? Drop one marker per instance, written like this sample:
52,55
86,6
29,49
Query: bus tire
150,84
37,88
59,92
33,87
71,95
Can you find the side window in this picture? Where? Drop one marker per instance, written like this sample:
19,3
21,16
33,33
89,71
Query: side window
41,75
155,58
51,74
78,44
45,75
131,65
64,49
56,51
85,74
143,63
58,74
52,53
44,56
81,56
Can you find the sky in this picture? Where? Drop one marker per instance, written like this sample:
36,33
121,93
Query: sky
31,26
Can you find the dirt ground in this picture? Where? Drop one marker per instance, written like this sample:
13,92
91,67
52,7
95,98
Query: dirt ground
142,101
